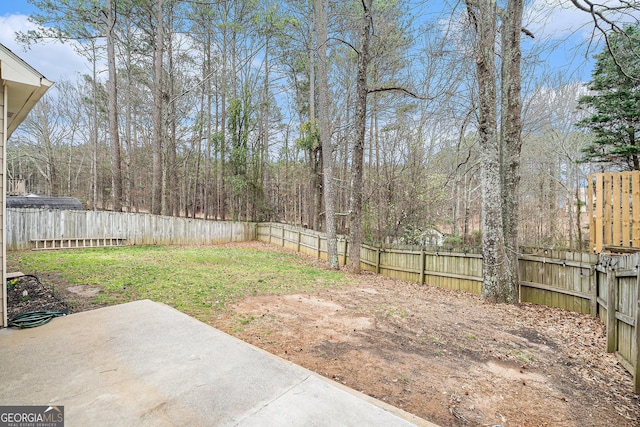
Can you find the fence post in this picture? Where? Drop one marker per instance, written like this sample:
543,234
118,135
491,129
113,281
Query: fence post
283,236
319,248
299,236
635,347
269,233
422,266
346,244
377,260
593,288
612,307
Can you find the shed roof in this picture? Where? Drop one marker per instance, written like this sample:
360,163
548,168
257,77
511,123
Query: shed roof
44,202
25,86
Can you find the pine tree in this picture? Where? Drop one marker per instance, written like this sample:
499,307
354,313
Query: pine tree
615,102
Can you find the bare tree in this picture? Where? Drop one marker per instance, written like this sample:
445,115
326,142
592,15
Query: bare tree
321,20
362,90
500,149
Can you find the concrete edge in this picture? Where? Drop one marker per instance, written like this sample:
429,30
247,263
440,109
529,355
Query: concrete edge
407,416
377,402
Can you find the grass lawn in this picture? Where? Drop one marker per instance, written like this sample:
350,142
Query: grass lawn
191,279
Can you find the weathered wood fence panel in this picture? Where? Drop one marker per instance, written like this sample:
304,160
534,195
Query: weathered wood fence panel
25,225
619,308
614,209
559,279
453,271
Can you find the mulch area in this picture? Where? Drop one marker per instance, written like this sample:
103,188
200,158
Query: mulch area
27,294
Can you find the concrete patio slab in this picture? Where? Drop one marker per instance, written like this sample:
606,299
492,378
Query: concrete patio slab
146,364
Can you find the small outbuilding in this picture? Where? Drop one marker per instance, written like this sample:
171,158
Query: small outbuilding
44,202
21,87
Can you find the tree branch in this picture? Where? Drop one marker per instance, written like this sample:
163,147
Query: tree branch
345,42
399,89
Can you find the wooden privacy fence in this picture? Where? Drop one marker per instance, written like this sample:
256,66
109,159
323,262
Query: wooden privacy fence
25,227
602,285
619,308
554,278
563,279
614,210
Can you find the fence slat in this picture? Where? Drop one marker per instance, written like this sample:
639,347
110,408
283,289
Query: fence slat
612,298
626,209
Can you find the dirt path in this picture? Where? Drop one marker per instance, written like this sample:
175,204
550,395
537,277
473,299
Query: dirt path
446,356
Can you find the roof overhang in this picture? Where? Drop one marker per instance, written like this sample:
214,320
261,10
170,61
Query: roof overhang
25,87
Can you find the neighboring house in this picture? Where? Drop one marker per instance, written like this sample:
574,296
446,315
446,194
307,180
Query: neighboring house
21,87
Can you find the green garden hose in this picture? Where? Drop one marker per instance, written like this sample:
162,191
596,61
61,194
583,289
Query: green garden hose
34,319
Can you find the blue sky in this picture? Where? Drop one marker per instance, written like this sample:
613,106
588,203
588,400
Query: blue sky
552,21
54,60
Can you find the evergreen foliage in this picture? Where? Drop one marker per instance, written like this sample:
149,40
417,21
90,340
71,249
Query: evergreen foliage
615,102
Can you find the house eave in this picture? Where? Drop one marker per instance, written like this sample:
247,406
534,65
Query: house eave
25,86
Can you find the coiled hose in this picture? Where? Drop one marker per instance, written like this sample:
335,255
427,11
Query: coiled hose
34,319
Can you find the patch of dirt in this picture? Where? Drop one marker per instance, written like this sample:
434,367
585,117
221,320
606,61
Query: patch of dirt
27,293
48,292
445,356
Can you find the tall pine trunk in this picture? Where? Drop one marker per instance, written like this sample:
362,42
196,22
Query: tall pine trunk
157,172
116,161
321,15
357,166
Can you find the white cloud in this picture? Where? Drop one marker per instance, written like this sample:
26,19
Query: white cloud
54,60
557,19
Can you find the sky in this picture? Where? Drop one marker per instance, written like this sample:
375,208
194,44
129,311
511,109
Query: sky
554,22
55,61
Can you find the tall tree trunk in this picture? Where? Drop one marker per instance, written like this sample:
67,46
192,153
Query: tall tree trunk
209,131
315,153
493,245
222,194
511,142
94,129
157,173
116,163
171,206
128,128
500,154
321,16
263,170
357,166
